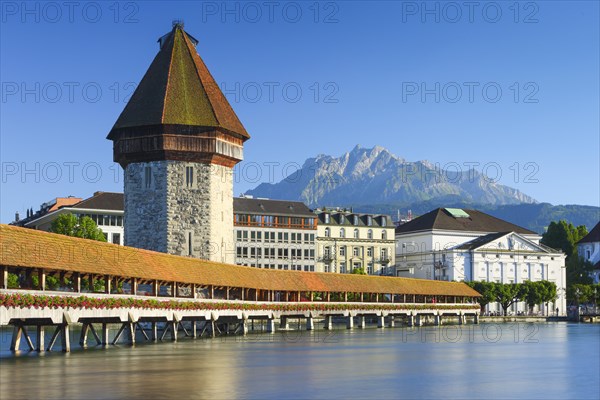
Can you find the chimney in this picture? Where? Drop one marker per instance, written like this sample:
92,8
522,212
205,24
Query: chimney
17,217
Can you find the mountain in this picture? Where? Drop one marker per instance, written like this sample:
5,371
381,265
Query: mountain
376,176
535,217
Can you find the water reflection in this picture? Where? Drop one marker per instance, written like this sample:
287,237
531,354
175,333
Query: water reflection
402,362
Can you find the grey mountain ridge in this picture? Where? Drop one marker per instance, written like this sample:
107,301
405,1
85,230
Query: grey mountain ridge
376,176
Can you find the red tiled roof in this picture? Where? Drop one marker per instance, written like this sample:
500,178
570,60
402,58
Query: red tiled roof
178,89
22,247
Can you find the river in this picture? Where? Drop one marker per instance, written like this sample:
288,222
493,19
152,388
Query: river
525,361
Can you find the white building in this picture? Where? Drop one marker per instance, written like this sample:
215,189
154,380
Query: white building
588,248
105,208
347,240
274,234
469,245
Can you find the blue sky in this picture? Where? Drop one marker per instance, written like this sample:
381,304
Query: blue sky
511,86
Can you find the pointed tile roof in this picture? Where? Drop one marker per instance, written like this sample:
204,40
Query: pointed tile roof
474,221
179,90
592,236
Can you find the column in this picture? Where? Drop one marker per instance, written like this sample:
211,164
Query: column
310,325
361,322
380,321
327,323
283,323
350,322
392,321
271,325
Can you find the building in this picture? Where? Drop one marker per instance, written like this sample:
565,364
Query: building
468,245
347,240
588,248
274,234
105,208
177,140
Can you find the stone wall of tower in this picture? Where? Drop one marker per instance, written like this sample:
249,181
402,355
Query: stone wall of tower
179,215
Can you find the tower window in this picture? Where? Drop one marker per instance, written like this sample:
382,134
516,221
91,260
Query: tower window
147,177
189,177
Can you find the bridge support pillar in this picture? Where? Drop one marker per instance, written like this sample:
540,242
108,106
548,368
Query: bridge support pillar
461,319
476,319
419,321
283,323
39,339
392,321
194,329
174,325
212,328
410,320
437,320
350,322
154,332
65,338
380,321
271,325
310,324
244,327
104,334
328,323
361,322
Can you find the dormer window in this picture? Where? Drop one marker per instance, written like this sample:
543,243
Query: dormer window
326,218
355,219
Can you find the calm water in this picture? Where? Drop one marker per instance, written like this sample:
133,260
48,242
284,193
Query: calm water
543,361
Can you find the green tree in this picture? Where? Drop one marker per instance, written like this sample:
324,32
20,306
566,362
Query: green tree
359,271
531,294
563,235
578,271
84,227
507,294
580,293
487,290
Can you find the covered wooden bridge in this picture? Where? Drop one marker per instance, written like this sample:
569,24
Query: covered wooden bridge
50,279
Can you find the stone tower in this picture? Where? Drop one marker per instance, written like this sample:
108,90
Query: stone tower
178,140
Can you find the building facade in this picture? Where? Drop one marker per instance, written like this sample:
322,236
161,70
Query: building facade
468,245
347,241
588,248
104,208
274,234
178,140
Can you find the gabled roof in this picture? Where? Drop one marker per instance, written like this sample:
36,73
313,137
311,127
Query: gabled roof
246,205
592,236
21,247
477,221
103,201
179,90
481,241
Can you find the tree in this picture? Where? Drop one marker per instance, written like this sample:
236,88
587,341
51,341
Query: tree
359,271
486,290
578,271
562,235
580,293
83,227
507,294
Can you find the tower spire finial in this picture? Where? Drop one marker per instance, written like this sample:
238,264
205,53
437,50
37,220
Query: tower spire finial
178,23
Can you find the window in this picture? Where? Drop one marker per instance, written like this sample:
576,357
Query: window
326,218
383,254
369,252
147,177
342,233
343,268
369,220
116,238
312,238
370,268
327,232
326,252
312,254
355,219
383,221
356,251
384,235
356,234
253,236
370,233
342,219
343,251
189,177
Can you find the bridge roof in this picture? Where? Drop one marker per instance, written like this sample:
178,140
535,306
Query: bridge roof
21,247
